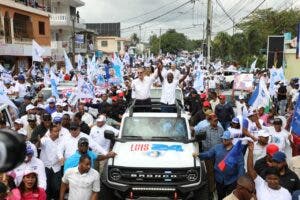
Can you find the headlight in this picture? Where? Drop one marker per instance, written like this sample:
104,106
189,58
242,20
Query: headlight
192,175
115,174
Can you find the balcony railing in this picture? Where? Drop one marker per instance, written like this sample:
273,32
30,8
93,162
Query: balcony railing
63,19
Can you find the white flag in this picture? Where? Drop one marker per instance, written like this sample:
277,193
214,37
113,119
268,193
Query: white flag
37,52
217,65
253,66
68,63
79,62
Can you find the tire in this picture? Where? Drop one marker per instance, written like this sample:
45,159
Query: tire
106,193
202,193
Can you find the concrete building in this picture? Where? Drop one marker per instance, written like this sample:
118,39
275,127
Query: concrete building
109,44
19,25
292,68
64,20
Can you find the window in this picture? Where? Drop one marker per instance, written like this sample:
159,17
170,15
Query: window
42,28
104,43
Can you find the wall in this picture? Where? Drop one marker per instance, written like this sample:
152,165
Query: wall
43,40
292,69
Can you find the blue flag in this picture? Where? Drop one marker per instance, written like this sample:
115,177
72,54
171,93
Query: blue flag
54,82
296,118
231,158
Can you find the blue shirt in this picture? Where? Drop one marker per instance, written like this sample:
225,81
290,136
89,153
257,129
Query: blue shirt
50,110
231,173
73,160
202,124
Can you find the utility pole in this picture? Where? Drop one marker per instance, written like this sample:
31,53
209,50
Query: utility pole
73,40
159,44
208,30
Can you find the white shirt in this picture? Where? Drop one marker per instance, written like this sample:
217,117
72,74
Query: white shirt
141,89
88,119
24,119
97,135
81,186
259,151
263,192
168,92
37,166
21,89
9,91
48,155
212,84
280,138
69,146
63,132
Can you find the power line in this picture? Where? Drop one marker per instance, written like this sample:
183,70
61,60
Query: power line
152,11
157,17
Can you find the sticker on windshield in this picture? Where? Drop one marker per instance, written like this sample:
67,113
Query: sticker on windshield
156,147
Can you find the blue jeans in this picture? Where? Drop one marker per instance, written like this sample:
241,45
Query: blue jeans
167,108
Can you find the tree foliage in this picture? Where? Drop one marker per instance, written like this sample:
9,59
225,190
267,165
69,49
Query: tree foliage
245,46
173,42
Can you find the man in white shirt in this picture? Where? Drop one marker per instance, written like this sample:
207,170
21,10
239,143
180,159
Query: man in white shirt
20,88
9,90
141,89
49,147
69,143
261,145
86,117
280,136
34,164
168,93
83,181
212,85
97,135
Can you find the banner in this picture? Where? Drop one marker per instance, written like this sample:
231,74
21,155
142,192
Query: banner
79,38
296,119
276,74
37,52
243,82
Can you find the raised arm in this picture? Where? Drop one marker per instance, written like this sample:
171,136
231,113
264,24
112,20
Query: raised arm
186,74
250,167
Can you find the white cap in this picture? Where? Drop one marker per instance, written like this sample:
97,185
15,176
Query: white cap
59,103
57,115
119,91
30,107
19,121
241,96
64,104
263,133
51,100
101,118
41,106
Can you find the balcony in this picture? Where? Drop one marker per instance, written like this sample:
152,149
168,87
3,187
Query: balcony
74,3
62,19
59,46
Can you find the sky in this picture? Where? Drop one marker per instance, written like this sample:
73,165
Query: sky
188,18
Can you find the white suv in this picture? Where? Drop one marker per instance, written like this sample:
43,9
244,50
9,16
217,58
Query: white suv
154,158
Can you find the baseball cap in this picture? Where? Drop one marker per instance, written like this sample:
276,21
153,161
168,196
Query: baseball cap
19,121
263,133
227,135
57,119
235,120
241,97
272,149
40,106
6,81
206,104
279,157
277,121
30,107
59,103
21,77
221,96
251,112
29,171
101,118
83,140
73,125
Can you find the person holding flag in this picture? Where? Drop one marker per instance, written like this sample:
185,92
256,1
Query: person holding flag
229,164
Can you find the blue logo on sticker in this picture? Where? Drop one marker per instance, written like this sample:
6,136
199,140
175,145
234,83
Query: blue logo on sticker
164,147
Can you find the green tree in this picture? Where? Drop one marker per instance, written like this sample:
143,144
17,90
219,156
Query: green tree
154,44
221,46
173,42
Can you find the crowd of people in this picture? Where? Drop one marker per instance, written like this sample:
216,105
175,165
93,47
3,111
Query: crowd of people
250,153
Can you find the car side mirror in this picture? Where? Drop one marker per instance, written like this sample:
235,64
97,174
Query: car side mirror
109,135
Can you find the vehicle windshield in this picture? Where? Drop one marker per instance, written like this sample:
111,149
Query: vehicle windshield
152,128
